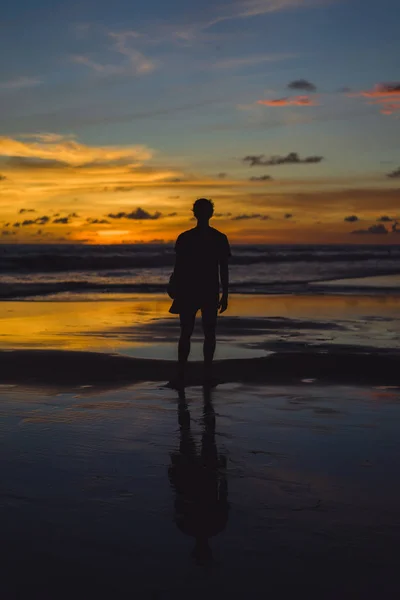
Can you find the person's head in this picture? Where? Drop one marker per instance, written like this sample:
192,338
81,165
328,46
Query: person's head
203,210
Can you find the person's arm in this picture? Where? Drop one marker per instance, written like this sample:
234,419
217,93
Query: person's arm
175,277
224,275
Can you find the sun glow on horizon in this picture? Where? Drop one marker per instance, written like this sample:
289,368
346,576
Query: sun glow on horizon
57,189
113,138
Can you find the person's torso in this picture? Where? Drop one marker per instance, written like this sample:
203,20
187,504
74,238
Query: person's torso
200,255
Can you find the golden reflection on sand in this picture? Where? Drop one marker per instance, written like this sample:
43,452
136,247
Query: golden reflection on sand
79,324
71,324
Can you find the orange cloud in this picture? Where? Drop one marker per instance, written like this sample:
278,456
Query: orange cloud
293,101
65,149
386,95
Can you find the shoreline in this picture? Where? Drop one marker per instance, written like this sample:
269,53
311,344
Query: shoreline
346,285
68,368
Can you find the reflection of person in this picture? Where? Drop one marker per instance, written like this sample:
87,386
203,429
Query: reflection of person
199,482
201,264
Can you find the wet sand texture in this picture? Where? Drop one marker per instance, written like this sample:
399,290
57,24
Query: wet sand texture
70,368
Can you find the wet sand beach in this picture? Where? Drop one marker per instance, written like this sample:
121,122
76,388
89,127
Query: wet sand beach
140,325
72,368
296,486
282,480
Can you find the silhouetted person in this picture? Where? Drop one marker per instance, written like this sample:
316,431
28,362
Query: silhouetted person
201,265
199,482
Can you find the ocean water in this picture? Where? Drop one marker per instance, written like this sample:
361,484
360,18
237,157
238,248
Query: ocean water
29,271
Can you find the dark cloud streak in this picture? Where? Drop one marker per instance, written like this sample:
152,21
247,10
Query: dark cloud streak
394,174
36,163
42,220
374,229
302,84
261,178
39,221
257,160
245,217
136,215
90,221
62,221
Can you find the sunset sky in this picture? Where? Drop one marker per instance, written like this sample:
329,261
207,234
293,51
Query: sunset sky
116,116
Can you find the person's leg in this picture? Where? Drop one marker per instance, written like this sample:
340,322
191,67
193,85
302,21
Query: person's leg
187,320
209,322
209,452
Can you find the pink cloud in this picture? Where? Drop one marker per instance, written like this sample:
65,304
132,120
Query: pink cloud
385,95
290,101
